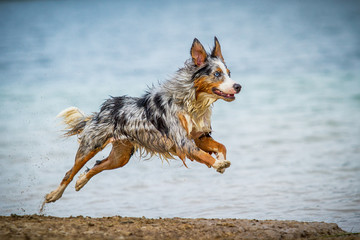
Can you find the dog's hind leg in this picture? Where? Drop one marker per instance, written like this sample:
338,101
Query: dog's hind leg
119,157
83,155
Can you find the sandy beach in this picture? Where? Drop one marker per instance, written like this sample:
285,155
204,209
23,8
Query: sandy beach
47,227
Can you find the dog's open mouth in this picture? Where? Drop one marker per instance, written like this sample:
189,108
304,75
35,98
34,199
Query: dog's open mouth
222,94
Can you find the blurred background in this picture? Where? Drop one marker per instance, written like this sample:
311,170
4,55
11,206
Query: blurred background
293,133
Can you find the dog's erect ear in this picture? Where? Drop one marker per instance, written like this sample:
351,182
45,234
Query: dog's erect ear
198,53
216,52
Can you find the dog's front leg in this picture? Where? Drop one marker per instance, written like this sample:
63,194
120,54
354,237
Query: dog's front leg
204,157
205,146
208,144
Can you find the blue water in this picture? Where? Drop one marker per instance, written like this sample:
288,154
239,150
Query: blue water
293,134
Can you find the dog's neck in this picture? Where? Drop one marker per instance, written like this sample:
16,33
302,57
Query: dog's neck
181,89
200,105
200,112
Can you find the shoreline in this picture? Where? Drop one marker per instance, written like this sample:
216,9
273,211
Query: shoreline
117,227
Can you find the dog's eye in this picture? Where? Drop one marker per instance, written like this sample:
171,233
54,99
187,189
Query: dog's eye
229,74
217,74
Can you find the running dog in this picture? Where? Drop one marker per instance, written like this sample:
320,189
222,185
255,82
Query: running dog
170,120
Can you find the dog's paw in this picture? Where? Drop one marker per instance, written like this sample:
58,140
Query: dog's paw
82,180
221,165
55,195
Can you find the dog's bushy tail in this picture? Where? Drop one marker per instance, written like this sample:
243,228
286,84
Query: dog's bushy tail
74,119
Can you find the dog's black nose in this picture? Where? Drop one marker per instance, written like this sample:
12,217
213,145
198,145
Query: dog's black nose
237,87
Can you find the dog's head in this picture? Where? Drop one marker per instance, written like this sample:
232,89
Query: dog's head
211,76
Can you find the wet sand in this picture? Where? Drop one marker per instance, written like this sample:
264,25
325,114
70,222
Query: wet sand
47,227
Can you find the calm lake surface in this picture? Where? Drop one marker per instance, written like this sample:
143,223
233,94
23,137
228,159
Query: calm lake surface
293,133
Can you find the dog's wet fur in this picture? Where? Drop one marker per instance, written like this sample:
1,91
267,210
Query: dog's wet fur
170,120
